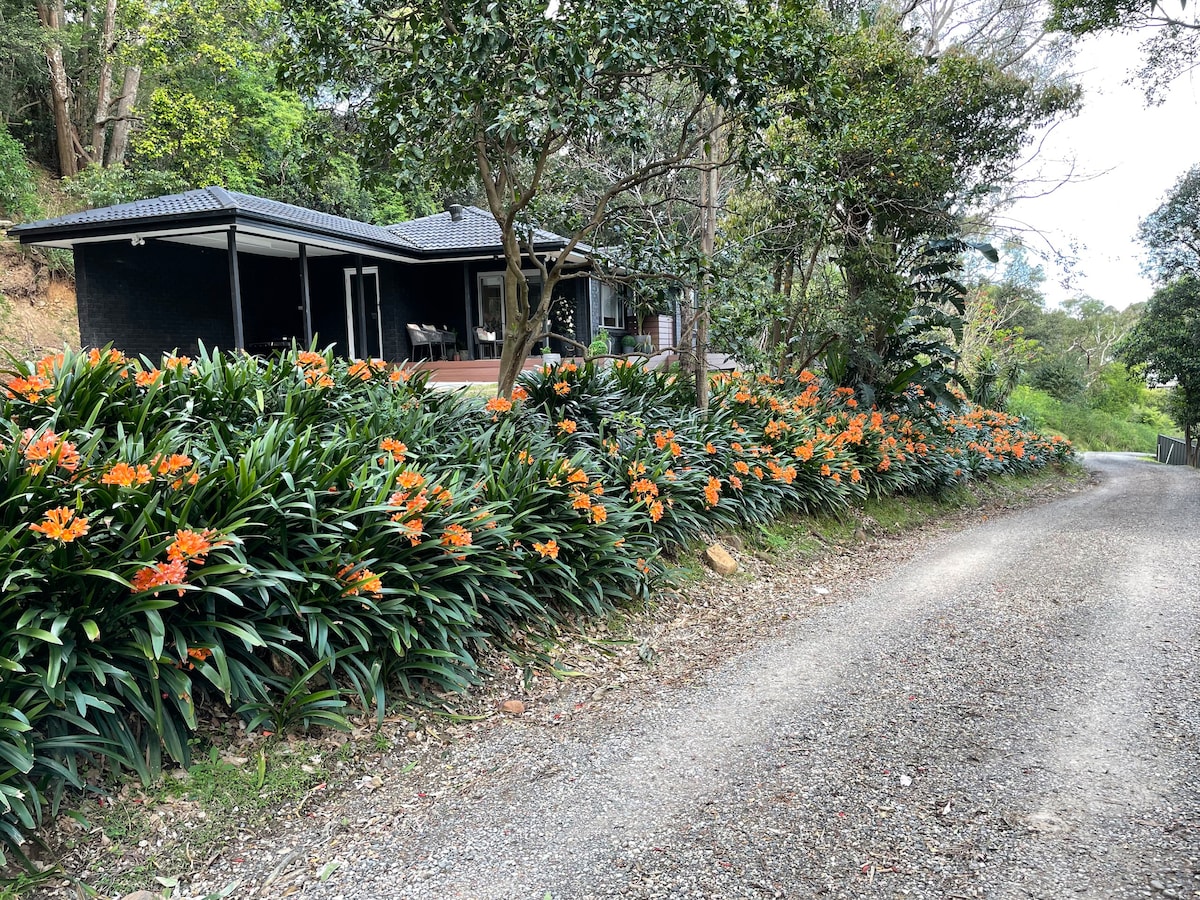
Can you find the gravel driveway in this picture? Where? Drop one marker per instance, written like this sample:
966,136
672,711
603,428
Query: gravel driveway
1010,711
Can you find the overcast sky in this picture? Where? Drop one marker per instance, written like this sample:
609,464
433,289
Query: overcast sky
1133,155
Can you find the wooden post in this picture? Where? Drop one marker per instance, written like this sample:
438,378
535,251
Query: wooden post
305,299
235,291
473,351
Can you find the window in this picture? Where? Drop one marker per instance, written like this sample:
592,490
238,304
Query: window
612,308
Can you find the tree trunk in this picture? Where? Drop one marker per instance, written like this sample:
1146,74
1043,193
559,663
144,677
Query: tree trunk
104,83
708,212
51,14
120,135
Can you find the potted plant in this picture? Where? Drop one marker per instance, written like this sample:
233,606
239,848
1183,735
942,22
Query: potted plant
599,345
628,342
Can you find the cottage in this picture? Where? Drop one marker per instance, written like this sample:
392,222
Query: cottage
243,272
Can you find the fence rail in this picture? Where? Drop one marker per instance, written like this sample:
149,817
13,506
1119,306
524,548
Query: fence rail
1171,451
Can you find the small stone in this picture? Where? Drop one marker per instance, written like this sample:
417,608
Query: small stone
513,707
142,895
905,781
719,560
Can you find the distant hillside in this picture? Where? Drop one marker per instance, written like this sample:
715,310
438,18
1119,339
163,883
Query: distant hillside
37,305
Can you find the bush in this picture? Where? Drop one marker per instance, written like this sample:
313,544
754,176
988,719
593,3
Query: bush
290,537
18,192
1060,378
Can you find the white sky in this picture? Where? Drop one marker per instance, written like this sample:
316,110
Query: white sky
1134,154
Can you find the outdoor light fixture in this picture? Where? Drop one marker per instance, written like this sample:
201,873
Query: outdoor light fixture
137,241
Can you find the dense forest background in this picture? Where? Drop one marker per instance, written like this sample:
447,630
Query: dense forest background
840,214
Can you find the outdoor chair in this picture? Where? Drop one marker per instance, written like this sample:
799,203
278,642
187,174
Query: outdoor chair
489,343
445,340
419,337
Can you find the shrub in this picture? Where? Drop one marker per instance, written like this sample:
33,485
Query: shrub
289,537
18,192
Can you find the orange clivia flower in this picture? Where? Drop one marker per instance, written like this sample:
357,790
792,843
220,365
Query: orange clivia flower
498,405
599,514
124,475
709,448
48,447
362,581
656,510
562,388
712,491
159,574
360,370
61,524
192,546
147,378
548,549
398,449
199,653
525,457
175,363
412,529
567,426
519,393
581,501
578,477
169,465
456,536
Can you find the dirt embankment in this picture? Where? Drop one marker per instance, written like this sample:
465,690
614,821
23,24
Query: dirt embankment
37,304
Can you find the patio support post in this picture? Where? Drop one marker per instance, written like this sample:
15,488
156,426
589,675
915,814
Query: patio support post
305,298
235,291
360,300
472,346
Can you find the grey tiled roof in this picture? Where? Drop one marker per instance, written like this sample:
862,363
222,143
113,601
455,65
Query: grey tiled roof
177,208
437,236
476,230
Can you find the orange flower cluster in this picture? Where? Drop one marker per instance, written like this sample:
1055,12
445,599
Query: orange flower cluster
147,378
46,449
567,426
34,389
456,536
188,548
665,440
365,370
547,550
562,388
112,357
497,405
315,369
397,449
646,491
359,581
62,524
124,475
712,491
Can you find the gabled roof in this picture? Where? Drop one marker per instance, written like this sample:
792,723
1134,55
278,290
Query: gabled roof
476,229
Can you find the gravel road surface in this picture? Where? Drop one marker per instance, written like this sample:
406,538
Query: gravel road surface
1009,711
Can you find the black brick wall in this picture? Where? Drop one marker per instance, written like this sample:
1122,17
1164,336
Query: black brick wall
153,298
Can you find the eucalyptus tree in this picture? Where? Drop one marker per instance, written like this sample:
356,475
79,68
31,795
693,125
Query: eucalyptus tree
502,93
1171,51
1171,234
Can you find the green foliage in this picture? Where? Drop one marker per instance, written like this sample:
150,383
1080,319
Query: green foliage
18,193
1086,427
1171,233
1165,345
1060,377
99,186
296,537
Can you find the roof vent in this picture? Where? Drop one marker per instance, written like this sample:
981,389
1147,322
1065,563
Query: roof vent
456,212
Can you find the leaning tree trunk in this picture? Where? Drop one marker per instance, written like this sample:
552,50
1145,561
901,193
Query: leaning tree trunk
66,140
120,134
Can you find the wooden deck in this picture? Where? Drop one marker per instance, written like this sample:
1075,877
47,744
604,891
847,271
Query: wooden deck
487,371
468,371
